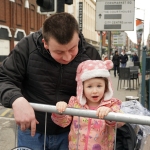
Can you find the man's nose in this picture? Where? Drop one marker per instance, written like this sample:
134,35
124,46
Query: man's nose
67,57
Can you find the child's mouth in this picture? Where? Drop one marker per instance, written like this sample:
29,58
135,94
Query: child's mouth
95,96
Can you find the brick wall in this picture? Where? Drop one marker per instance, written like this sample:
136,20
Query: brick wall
15,16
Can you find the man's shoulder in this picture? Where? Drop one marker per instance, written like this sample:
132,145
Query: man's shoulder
91,51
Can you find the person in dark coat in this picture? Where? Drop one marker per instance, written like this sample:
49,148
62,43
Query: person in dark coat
123,59
135,58
41,69
116,62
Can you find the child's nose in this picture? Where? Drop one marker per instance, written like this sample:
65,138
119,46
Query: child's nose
95,90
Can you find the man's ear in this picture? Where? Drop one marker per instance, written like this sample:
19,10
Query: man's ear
45,44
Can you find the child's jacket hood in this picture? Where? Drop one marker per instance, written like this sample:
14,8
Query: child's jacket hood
91,69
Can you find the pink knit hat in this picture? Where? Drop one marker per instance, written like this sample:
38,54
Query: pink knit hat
91,69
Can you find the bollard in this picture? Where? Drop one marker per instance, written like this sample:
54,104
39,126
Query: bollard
128,98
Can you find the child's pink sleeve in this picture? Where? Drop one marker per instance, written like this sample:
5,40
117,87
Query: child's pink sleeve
115,107
63,120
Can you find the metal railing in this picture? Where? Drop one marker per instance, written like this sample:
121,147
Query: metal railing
119,117
112,116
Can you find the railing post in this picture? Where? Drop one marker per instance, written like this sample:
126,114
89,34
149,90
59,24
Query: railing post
143,76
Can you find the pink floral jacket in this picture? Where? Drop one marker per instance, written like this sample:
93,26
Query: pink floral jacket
89,133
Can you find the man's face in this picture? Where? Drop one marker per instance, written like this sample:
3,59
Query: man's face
63,54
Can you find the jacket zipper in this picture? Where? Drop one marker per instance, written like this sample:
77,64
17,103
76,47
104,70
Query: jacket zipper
88,132
59,82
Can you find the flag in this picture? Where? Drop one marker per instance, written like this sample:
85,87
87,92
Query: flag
139,29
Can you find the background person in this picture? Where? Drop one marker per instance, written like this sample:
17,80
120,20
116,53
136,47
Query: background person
42,69
105,58
135,58
123,59
116,62
94,92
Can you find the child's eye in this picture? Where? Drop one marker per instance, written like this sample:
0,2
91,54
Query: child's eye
89,86
99,86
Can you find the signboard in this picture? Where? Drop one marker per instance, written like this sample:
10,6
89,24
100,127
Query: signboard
118,38
4,47
80,15
115,15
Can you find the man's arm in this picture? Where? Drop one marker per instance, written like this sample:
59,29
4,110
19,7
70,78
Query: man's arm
24,115
12,74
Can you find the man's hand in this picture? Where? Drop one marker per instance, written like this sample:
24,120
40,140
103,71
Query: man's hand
24,115
61,106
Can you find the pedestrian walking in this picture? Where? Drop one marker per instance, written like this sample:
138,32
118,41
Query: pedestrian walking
123,59
135,58
116,62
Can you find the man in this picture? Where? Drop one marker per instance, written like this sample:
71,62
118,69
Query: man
41,69
135,58
123,59
116,62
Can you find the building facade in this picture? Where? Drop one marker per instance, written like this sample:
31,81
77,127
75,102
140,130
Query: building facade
19,18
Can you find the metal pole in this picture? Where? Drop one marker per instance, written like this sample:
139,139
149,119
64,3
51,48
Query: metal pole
149,94
139,46
143,76
109,43
135,119
100,43
139,51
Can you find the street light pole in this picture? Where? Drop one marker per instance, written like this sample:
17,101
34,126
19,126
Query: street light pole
139,43
100,43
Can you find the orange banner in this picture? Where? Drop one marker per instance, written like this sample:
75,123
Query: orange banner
139,29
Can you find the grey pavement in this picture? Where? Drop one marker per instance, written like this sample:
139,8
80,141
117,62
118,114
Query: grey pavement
122,93
7,133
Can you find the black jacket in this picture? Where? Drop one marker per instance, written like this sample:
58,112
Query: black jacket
116,60
123,58
135,58
31,72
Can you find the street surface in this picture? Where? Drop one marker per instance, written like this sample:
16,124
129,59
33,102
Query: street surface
7,133
6,112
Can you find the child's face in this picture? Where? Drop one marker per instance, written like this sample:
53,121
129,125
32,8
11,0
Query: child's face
94,90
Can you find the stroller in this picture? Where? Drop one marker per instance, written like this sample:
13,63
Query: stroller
133,136
126,138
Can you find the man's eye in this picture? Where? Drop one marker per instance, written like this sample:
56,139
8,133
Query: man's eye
71,50
59,52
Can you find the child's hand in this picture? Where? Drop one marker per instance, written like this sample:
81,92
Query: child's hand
61,106
102,112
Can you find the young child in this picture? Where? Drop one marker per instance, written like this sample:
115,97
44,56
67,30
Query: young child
94,92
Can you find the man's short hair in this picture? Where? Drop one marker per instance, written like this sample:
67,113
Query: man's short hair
61,27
